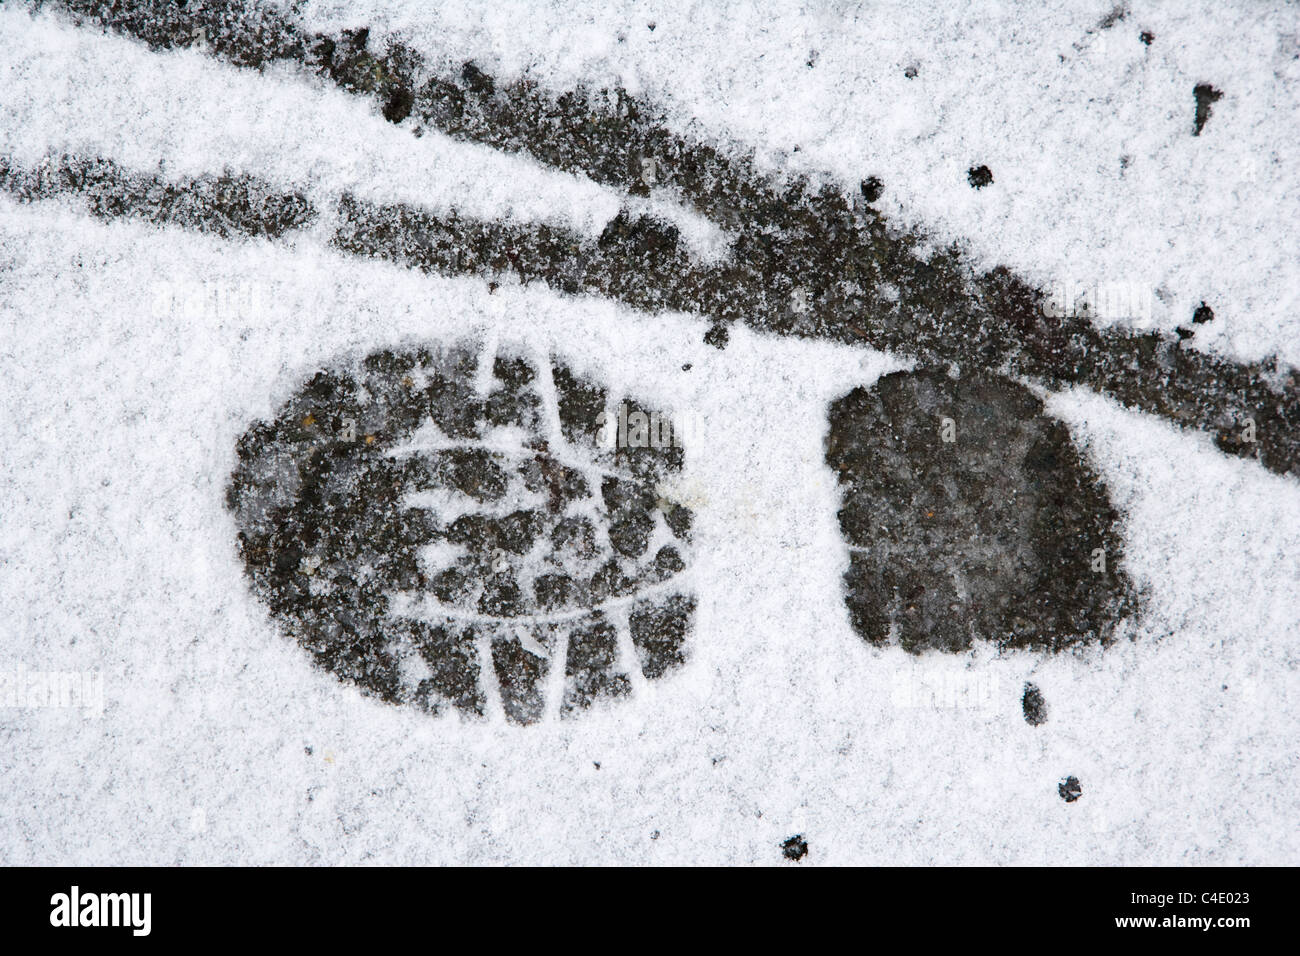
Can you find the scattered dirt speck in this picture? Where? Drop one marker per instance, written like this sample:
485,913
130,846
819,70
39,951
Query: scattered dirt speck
1034,705
979,176
795,848
1206,96
1069,789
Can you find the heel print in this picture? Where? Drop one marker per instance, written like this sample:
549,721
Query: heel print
969,514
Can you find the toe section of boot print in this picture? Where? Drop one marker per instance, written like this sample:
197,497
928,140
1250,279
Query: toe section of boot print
468,528
970,515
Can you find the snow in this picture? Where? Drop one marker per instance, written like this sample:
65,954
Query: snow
219,743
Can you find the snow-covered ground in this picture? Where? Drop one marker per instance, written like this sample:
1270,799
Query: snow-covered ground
132,357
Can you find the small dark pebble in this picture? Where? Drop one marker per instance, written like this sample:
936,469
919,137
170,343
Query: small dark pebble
1034,705
872,187
686,367
796,848
717,336
1069,789
911,72
979,176
1202,314
1146,36
1184,333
